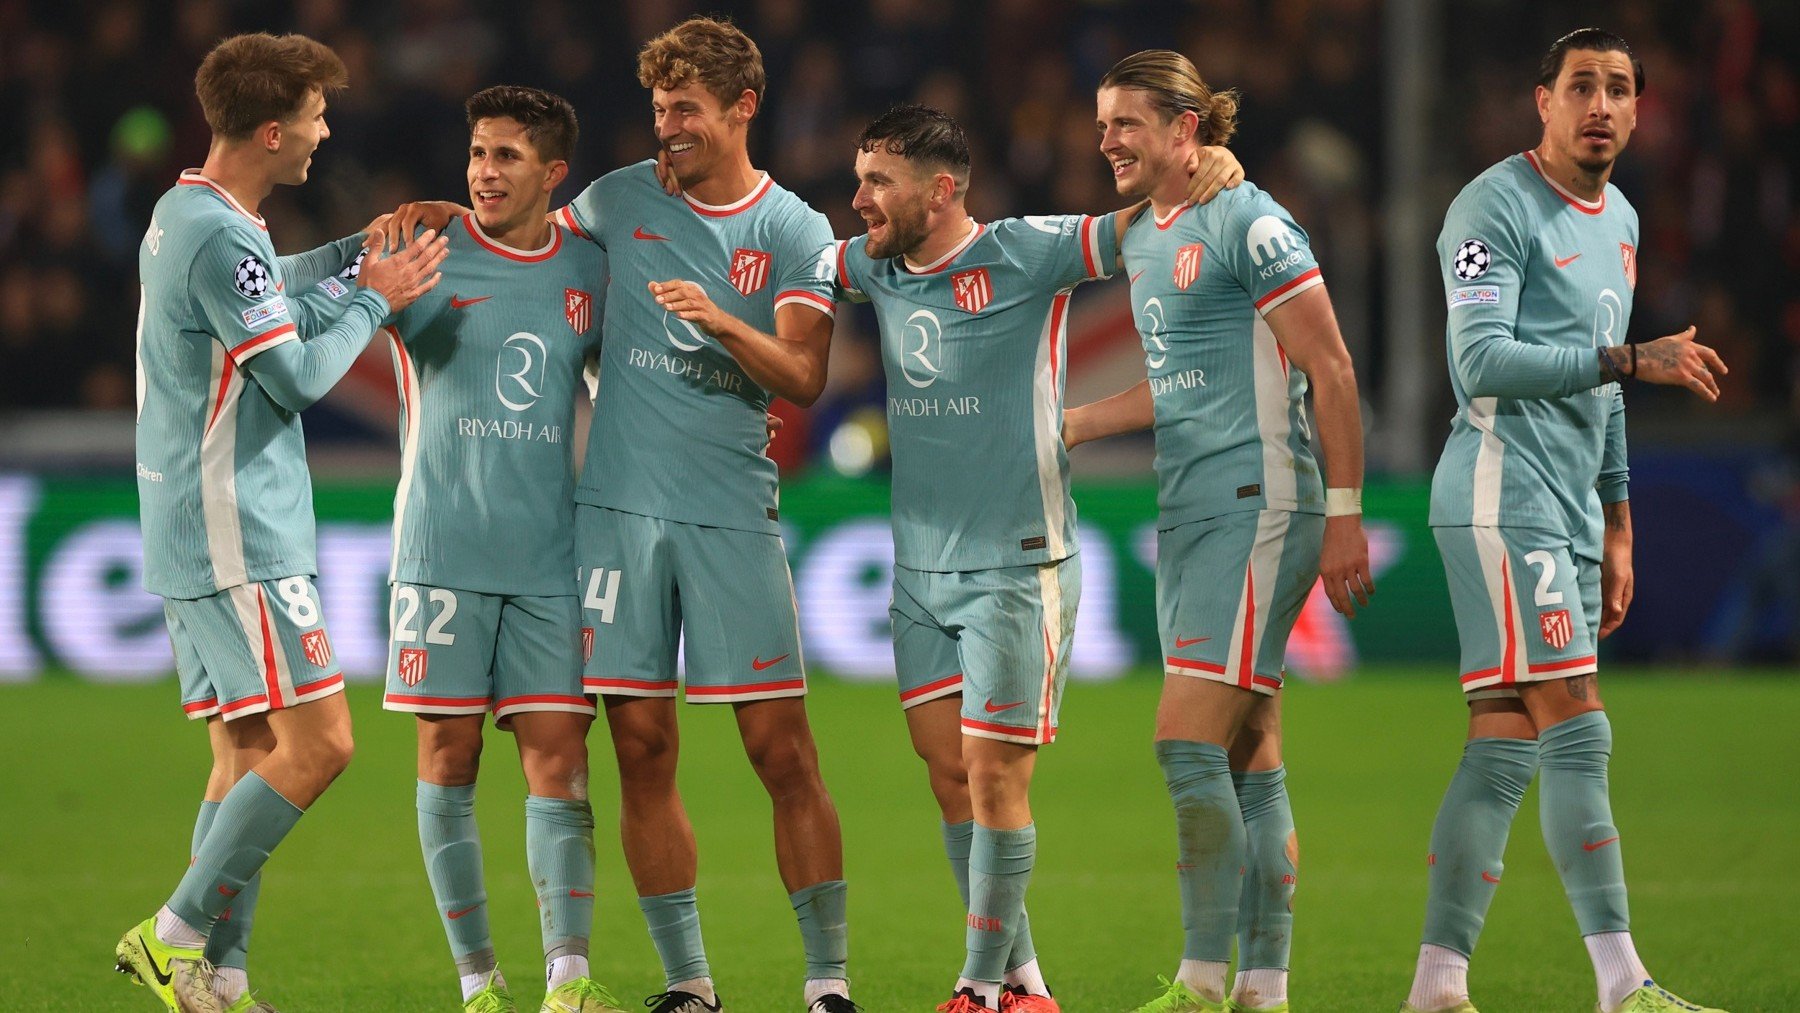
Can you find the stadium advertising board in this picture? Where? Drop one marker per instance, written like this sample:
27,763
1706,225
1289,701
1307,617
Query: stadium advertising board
71,597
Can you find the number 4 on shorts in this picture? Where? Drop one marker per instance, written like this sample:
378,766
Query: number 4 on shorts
602,592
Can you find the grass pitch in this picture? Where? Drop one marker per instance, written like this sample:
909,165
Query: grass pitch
100,785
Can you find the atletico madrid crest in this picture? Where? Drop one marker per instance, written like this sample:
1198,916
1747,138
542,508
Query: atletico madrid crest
749,271
973,289
1187,265
317,647
587,644
1628,253
578,306
412,665
1557,628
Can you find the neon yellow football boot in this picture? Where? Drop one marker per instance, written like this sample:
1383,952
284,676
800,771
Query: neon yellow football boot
1462,1007
1653,998
494,998
1237,1007
1178,998
180,978
580,995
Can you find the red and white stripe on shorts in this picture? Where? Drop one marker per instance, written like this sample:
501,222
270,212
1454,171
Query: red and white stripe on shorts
1509,627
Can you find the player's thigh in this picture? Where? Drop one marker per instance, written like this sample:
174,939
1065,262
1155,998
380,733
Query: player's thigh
1258,742
253,648
440,650
1229,590
740,624
537,657
926,664
630,624
1522,614
1015,625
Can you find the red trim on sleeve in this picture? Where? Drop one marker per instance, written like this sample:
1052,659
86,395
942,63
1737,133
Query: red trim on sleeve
1288,287
813,299
274,336
1088,238
565,216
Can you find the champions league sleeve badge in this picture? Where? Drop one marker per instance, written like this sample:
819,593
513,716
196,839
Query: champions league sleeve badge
252,278
1472,260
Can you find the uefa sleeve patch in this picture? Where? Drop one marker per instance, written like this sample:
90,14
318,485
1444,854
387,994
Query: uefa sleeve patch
333,288
1472,260
251,278
1478,294
261,313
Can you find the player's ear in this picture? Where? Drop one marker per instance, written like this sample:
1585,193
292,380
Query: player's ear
744,109
1543,103
1187,126
269,135
559,171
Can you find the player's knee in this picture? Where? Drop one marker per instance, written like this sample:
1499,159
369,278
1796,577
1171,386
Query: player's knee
646,755
786,766
451,762
557,773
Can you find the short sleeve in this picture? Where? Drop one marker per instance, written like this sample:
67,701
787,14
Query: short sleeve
1075,248
804,255
843,264
1263,248
582,215
235,286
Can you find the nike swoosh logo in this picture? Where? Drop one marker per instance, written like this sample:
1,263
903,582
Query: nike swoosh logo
1191,641
454,915
1597,845
993,708
457,302
162,977
759,664
641,234
1489,879
227,891
1566,261
1136,276
581,893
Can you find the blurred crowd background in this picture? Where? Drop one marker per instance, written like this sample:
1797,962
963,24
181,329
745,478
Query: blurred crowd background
1363,118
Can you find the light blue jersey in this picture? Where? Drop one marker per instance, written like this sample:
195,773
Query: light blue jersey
223,490
974,347
489,364
1536,280
678,428
1231,427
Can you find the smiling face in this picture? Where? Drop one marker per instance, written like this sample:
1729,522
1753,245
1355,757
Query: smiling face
1138,144
1591,109
299,137
893,196
509,182
698,131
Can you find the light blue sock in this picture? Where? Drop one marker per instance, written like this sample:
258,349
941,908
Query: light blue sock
1468,840
1209,831
1576,812
823,911
1266,907
229,944
957,839
559,847
674,920
1000,864
250,822
451,843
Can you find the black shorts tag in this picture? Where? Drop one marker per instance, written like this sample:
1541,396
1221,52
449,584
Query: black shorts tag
773,513
1247,491
1034,542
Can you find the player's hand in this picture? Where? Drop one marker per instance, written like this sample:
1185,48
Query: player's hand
407,218
1679,361
1344,564
773,424
407,275
665,173
691,303
1616,584
1210,170
375,233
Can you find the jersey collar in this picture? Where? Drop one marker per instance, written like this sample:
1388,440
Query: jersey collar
743,203
542,253
1164,224
1586,207
975,231
193,177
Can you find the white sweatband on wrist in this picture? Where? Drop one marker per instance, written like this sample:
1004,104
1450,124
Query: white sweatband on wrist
1343,502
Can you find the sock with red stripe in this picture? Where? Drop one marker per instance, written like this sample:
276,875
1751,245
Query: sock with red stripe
451,844
1467,844
229,944
1209,833
1266,908
1576,813
250,822
559,848
1000,864
1020,962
